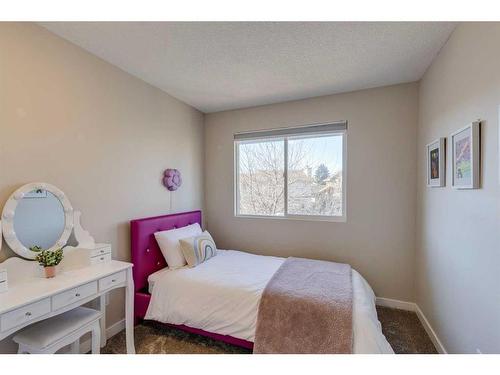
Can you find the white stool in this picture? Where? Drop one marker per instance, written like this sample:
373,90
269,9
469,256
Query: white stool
50,335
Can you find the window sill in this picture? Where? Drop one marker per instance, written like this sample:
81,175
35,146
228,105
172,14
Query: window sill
332,219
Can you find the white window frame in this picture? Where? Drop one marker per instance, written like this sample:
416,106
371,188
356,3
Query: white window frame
290,135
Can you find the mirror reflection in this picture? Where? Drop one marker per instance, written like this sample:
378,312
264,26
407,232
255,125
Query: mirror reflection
39,219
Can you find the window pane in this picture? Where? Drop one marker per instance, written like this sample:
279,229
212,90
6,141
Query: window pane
315,175
261,183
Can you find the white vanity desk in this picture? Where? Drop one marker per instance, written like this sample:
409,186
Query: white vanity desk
32,298
85,274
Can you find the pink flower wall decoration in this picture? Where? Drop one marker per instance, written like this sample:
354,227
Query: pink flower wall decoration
172,179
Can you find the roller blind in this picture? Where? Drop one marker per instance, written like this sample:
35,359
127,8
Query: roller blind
291,131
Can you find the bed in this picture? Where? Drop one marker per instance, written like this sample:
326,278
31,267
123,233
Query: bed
220,297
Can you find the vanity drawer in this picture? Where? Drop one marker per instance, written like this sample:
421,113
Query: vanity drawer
110,281
25,314
100,259
3,286
74,295
3,281
100,251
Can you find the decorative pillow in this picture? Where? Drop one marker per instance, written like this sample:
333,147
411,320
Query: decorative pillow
198,249
168,241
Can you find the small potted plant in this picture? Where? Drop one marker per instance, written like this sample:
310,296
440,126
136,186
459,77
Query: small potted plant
49,259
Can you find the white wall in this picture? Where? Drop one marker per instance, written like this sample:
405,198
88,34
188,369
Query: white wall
458,240
379,236
99,134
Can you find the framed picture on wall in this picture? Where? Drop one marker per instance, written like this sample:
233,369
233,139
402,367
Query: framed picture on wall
436,163
465,149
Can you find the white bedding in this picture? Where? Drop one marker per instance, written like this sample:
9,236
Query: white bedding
222,296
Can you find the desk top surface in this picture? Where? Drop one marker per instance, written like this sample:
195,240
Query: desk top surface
30,287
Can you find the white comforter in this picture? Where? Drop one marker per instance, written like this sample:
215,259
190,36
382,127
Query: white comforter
222,296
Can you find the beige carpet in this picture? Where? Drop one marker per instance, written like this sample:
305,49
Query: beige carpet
401,328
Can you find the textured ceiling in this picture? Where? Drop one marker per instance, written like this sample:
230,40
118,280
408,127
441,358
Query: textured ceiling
216,66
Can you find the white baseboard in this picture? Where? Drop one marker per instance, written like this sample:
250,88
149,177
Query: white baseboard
115,328
412,306
430,331
396,304
110,332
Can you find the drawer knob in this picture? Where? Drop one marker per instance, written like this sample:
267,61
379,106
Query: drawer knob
28,313
113,280
102,251
102,258
77,295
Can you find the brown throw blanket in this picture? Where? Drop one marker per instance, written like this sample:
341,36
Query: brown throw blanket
306,308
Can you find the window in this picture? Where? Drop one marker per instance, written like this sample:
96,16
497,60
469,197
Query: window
291,172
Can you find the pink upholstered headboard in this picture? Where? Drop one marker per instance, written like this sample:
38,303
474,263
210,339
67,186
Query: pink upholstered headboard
146,254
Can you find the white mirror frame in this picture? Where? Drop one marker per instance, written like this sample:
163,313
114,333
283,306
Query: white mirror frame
9,212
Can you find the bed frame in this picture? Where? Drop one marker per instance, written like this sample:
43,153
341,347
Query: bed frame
147,259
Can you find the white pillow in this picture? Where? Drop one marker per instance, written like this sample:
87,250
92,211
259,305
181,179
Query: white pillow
198,249
168,241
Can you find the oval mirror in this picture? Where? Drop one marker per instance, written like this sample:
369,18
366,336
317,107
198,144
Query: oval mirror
37,216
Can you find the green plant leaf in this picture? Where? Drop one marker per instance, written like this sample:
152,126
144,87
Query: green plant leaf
48,258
